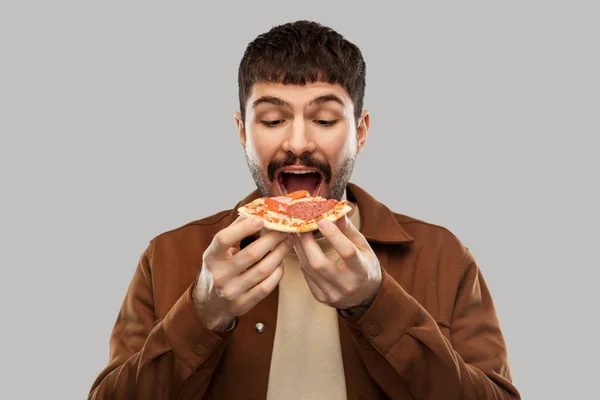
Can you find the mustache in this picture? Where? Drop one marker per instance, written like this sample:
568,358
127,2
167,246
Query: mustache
305,159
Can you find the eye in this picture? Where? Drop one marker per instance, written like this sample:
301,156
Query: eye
325,123
272,124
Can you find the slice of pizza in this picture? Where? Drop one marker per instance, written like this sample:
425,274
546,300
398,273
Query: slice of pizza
295,212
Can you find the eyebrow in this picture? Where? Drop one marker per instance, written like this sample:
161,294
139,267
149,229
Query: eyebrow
282,103
272,100
324,99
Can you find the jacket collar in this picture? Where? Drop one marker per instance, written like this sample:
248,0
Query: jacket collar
378,223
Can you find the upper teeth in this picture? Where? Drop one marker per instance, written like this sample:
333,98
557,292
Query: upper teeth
300,172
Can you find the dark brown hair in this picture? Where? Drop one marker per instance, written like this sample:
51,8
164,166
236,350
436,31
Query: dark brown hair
303,52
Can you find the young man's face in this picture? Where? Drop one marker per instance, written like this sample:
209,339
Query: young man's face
301,137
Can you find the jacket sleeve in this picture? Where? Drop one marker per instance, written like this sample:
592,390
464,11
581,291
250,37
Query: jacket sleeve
399,341
167,359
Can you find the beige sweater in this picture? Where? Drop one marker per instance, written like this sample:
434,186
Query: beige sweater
307,360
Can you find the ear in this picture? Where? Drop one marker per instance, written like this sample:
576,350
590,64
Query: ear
240,127
362,130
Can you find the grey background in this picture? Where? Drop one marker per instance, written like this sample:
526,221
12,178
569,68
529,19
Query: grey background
116,123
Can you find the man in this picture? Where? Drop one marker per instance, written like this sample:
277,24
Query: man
376,305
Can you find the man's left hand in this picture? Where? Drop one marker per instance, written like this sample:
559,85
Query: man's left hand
354,280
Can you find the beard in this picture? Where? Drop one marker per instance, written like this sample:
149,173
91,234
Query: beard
335,179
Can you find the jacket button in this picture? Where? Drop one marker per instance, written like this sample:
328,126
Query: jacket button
260,327
200,350
374,330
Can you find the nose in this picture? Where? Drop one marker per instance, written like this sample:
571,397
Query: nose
298,140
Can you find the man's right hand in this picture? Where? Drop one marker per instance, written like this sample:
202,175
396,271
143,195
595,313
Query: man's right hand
233,281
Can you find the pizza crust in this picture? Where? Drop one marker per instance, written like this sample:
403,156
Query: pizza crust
332,215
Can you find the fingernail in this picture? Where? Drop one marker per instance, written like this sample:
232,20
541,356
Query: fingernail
324,225
289,241
257,221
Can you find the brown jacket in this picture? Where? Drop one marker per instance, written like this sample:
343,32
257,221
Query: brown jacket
431,333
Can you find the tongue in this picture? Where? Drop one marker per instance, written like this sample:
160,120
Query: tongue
295,182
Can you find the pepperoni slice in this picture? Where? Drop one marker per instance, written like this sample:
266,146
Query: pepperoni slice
275,206
308,210
298,194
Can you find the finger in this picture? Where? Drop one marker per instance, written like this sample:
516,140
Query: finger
255,251
325,284
257,273
300,251
238,220
316,260
250,298
322,290
351,232
234,233
322,273
341,243
314,287
304,264
236,248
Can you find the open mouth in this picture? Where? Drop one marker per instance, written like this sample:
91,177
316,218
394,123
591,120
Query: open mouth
295,178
